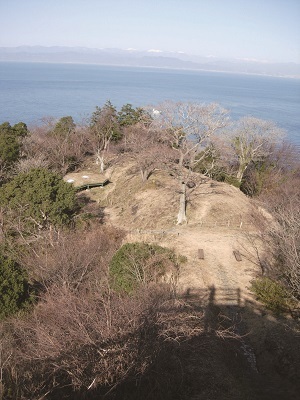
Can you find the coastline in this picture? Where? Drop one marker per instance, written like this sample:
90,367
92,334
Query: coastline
166,68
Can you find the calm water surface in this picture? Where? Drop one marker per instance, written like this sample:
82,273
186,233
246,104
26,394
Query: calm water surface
30,91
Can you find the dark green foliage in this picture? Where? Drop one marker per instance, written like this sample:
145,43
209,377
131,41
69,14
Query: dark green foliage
10,144
140,263
128,115
104,123
20,129
40,198
231,180
257,177
5,129
210,164
272,294
9,149
64,127
205,161
14,287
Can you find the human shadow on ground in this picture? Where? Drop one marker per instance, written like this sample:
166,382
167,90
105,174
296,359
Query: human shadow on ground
211,344
239,352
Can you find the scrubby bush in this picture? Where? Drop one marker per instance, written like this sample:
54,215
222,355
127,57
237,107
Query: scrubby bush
10,142
214,167
141,263
258,177
76,343
11,138
73,259
231,180
39,198
14,287
271,293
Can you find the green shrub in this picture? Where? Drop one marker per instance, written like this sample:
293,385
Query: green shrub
39,198
14,288
257,177
232,180
140,263
271,293
10,144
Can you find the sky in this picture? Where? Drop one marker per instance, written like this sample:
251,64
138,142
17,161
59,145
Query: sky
264,30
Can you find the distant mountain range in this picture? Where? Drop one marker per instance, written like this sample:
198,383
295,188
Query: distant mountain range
148,58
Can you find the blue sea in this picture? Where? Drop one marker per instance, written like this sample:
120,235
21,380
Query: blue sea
30,91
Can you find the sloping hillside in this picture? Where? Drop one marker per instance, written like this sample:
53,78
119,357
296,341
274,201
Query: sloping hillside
262,364
220,220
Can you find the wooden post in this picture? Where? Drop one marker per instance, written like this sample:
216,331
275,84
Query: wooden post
201,254
237,255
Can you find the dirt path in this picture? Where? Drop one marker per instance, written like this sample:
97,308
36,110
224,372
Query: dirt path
216,211
219,269
221,220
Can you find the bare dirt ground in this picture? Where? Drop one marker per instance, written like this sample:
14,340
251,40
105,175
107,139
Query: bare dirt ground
220,219
219,268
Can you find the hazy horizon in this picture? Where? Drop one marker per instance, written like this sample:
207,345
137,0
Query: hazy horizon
264,31
156,52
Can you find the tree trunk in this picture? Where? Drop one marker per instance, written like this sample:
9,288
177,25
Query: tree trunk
100,161
144,175
102,166
181,217
241,170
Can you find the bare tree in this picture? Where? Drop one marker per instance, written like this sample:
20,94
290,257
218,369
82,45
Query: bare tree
187,127
104,128
252,139
147,147
71,260
284,204
60,146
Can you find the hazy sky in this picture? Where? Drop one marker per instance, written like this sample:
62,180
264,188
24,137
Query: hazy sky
257,29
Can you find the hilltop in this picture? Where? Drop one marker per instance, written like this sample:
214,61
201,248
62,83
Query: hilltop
221,219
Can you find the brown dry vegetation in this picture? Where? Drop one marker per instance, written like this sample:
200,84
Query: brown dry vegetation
220,219
208,338
195,334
